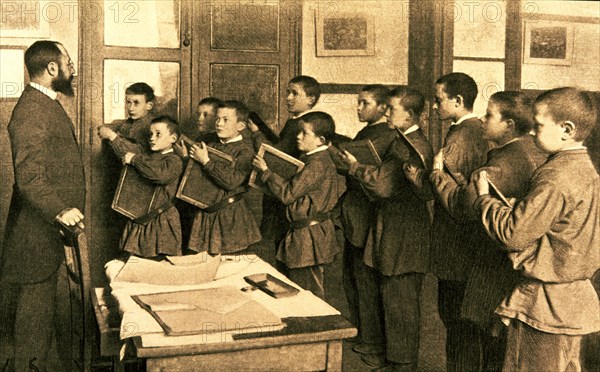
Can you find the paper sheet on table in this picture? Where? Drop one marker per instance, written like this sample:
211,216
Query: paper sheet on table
138,322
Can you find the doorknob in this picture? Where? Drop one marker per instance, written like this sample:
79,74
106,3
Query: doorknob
187,39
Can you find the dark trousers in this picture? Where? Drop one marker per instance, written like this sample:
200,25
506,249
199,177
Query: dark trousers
310,278
463,338
353,256
392,319
401,307
32,325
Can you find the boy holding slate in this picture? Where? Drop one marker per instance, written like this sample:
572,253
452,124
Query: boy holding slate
357,211
510,165
303,94
451,260
552,237
309,197
132,135
397,245
158,232
227,226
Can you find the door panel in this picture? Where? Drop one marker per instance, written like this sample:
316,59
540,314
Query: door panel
248,50
132,41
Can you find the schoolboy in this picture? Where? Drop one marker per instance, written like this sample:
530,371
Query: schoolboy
160,232
228,226
309,242
552,237
207,114
303,93
510,164
397,246
132,134
465,150
357,211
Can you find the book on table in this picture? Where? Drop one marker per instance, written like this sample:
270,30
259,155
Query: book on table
196,187
206,311
135,195
278,162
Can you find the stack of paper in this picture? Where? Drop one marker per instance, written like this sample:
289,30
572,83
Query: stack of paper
211,310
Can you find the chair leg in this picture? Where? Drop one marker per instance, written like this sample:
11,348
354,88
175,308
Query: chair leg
118,365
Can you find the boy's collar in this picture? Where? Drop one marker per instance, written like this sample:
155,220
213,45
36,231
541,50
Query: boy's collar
465,117
577,147
413,128
318,149
167,151
231,140
383,120
303,113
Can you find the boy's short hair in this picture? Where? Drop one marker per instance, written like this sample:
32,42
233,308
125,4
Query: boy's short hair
411,99
322,124
571,104
212,101
40,54
141,88
241,111
171,124
460,84
380,92
310,85
517,107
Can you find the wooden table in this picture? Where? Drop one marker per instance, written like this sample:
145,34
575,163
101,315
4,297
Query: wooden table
310,343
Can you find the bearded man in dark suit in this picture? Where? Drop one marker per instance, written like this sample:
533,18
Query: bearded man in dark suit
49,188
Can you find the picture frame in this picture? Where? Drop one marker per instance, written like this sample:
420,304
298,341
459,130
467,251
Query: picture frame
344,34
195,187
278,162
135,195
548,42
34,25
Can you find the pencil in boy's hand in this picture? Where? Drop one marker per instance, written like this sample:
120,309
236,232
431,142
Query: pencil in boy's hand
498,192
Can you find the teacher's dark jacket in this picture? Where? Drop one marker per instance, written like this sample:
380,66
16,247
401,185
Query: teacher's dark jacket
49,178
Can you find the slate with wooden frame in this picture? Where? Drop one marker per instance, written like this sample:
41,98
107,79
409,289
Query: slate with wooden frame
135,195
364,151
412,148
278,162
195,186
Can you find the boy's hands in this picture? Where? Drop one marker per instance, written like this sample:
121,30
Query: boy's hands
412,174
199,152
259,163
106,133
180,149
127,158
481,183
348,158
253,127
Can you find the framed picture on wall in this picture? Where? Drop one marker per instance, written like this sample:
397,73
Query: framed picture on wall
345,34
548,42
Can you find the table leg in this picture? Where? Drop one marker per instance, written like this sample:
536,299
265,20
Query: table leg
334,356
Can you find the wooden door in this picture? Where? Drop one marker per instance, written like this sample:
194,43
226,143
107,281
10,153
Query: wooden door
124,42
247,50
